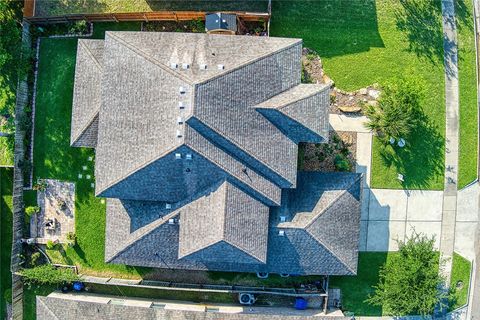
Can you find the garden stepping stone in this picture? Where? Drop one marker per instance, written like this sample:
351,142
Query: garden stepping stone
92,185
88,177
80,176
90,158
102,201
84,168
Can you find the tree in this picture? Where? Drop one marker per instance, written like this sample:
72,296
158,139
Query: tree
49,275
396,114
410,281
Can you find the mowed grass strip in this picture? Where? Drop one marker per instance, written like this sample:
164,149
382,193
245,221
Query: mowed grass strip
50,8
6,218
55,159
362,42
468,146
460,280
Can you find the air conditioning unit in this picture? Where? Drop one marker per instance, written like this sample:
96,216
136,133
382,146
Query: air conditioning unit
220,67
181,105
203,67
173,65
179,120
181,90
185,66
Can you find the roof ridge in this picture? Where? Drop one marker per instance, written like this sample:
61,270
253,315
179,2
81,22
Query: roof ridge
315,217
330,250
244,251
140,167
303,98
146,230
90,53
251,61
89,123
224,231
147,57
230,140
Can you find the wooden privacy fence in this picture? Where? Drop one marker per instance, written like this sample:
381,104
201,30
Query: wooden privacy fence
29,15
144,16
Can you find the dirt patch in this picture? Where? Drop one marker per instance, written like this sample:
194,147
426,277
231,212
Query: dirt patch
323,157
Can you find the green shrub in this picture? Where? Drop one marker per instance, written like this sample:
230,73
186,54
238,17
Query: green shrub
7,295
31,210
48,275
51,245
72,238
342,163
35,259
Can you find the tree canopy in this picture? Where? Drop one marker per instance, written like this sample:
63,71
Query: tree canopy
410,281
396,114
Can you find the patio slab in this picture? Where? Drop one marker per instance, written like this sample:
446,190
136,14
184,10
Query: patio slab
57,206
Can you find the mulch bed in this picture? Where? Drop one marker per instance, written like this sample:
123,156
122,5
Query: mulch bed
174,26
320,157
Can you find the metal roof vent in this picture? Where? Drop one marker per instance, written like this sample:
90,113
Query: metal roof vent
220,67
171,221
185,66
179,120
173,65
178,156
179,134
181,90
281,233
181,105
188,156
168,206
283,218
203,66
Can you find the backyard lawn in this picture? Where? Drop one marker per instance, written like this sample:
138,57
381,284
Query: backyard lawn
362,42
55,159
6,206
50,8
468,94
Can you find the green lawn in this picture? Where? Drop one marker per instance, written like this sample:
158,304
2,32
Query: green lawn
46,8
355,289
6,206
468,93
55,159
460,272
6,151
366,41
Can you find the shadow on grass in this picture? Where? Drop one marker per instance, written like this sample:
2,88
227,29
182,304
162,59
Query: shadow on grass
356,289
421,159
421,21
331,27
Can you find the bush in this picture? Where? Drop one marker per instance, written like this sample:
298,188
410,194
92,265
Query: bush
78,27
72,238
342,163
48,275
7,295
35,259
30,211
398,109
51,245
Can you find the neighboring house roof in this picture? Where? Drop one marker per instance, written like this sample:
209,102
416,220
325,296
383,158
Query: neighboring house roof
197,136
223,21
86,93
69,307
321,241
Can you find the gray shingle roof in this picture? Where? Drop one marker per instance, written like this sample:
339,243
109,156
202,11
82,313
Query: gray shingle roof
181,115
227,215
321,241
56,308
304,105
87,87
